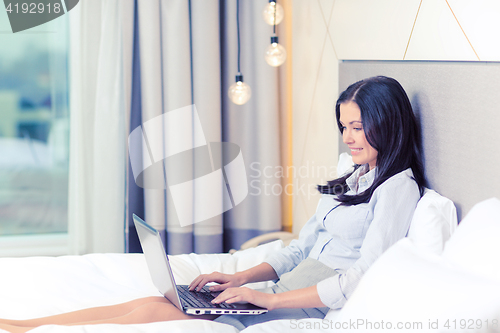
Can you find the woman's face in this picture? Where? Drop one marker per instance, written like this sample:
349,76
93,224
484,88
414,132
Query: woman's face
354,135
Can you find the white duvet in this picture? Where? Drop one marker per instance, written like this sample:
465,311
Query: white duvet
41,286
458,291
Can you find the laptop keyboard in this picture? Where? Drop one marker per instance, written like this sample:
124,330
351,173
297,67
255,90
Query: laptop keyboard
200,299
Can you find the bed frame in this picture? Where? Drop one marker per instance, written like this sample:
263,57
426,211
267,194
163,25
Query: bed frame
458,107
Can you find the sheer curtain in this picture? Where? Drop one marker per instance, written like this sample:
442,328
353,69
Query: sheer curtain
134,62
100,76
185,54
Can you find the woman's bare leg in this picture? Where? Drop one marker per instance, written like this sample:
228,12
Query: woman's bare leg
14,329
149,312
87,315
140,311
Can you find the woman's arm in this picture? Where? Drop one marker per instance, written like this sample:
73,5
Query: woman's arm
288,258
276,264
261,272
300,298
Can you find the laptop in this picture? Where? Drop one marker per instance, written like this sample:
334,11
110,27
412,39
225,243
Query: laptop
191,302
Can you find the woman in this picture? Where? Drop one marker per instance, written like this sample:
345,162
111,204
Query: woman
358,217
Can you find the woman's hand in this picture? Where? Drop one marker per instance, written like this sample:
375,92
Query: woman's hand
243,294
261,272
225,281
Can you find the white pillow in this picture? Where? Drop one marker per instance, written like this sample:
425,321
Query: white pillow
433,222
345,164
475,245
407,285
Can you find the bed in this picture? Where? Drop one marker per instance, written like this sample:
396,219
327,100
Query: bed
441,278
415,282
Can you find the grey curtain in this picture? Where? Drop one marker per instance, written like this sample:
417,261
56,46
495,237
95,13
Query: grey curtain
185,55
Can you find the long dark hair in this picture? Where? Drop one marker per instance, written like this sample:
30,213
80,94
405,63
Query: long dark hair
390,128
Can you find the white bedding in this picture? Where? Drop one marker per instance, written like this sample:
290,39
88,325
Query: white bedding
41,286
406,284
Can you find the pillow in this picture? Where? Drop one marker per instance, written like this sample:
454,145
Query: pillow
345,164
433,222
475,246
423,292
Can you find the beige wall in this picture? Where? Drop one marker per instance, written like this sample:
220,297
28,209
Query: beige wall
315,90
326,31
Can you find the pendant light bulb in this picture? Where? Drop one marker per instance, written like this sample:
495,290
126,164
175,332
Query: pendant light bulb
239,92
275,53
269,13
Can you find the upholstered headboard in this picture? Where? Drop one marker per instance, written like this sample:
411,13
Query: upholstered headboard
458,107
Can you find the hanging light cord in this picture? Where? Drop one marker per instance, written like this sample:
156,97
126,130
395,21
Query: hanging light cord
275,8
238,30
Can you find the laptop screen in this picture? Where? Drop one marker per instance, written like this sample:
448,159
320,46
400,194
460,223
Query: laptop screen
157,260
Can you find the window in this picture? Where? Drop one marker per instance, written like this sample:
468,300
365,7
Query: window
34,138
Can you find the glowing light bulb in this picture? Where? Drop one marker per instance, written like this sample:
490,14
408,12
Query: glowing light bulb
275,53
239,92
268,13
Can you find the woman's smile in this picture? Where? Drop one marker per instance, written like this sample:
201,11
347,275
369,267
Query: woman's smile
355,151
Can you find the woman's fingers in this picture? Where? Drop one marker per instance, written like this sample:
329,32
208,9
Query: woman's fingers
242,294
196,282
222,297
219,287
199,282
203,279
232,295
